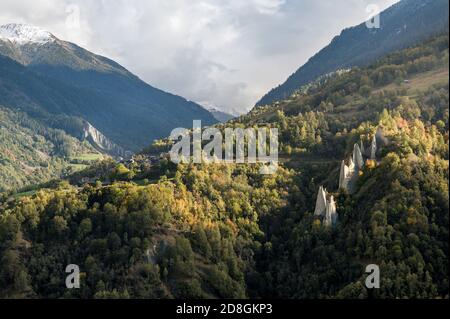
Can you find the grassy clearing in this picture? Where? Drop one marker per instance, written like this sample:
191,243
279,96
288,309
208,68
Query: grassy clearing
420,82
91,157
24,194
78,167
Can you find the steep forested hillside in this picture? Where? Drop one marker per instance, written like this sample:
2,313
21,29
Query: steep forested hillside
63,96
402,25
153,229
32,153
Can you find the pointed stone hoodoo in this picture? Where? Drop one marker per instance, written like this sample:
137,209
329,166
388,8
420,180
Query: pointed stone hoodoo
330,214
321,202
347,175
325,208
333,212
342,176
357,157
373,148
351,165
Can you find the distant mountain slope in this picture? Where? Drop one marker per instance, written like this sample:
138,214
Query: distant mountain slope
221,116
44,75
402,25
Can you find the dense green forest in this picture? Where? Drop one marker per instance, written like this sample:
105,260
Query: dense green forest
159,230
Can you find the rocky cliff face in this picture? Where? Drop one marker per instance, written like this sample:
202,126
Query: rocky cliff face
102,143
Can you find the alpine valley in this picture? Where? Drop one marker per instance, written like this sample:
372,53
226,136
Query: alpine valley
362,179
60,86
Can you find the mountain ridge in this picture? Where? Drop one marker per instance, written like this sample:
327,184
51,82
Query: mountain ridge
359,46
22,33
128,111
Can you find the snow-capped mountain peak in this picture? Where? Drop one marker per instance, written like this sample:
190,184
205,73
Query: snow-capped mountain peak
22,34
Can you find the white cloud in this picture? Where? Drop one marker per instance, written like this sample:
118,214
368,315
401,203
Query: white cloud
268,6
219,53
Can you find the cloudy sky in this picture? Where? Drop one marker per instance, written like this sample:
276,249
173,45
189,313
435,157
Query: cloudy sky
219,53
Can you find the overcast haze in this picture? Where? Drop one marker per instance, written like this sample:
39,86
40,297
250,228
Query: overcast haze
223,54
